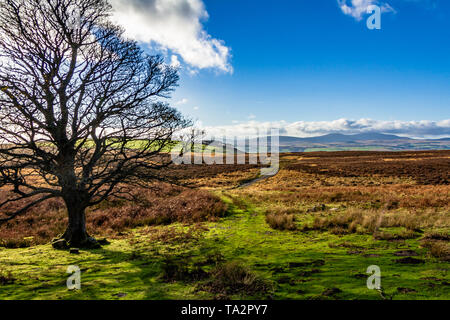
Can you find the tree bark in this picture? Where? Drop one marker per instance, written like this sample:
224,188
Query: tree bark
76,230
76,235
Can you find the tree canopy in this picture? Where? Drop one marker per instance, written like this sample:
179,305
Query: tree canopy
81,108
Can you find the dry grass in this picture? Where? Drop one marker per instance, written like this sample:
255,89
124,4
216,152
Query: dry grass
296,187
437,235
438,249
385,196
188,206
234,278
426,167
402,235
410,180
281,221
164,205
214,176
39,225
437,242
370,221
174,234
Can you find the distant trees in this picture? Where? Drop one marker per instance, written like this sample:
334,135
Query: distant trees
80,114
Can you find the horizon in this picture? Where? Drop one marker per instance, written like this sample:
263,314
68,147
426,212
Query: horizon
357,134
257,136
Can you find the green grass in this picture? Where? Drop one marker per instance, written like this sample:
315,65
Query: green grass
300,265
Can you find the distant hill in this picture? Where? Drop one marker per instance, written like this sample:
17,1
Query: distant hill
338,137
355,142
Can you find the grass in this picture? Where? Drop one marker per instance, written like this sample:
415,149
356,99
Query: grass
298,235
281,221
297,265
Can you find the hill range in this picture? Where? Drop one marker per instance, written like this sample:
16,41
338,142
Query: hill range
359,142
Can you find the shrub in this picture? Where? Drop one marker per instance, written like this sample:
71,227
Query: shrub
163,204
281,221
234,278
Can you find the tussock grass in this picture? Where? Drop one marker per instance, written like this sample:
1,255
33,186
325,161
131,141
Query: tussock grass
234,278
370,221
281,221
438,249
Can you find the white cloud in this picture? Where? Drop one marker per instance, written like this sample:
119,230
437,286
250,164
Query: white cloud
358,8
416,129
174,25
174,62
182,101
196,108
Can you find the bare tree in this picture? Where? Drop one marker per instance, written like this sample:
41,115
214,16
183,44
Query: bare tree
81,115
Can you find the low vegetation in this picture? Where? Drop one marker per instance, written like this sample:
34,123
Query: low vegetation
297,235
281,221
234,278
162,205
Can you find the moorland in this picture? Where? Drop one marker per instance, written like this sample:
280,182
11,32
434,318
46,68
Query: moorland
310,232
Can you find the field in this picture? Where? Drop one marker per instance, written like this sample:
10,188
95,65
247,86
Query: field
310,232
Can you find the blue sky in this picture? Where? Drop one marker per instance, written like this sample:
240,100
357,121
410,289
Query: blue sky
304,61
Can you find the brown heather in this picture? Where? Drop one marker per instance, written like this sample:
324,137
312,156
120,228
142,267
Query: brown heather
360,192
354,191
163,206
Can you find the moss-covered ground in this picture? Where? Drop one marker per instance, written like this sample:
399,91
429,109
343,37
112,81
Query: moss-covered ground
297,264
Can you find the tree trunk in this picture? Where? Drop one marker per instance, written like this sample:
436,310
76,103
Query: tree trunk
76,236
76,230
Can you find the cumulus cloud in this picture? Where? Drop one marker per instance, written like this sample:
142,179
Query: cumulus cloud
358,8
414,129
174,25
